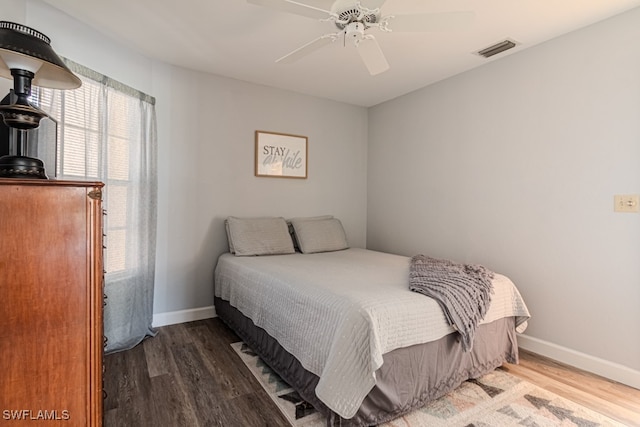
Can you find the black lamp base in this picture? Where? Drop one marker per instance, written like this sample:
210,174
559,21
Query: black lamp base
21,167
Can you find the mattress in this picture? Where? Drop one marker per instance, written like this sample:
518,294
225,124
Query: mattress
339,312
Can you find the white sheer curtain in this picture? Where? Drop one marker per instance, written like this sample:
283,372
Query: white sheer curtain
107,132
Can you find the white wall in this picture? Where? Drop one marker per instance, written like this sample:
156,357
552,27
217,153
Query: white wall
514,165
206,130
13,10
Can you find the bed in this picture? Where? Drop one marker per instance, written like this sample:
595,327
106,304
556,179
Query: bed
341,326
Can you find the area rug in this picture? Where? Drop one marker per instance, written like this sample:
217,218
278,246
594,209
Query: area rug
497,399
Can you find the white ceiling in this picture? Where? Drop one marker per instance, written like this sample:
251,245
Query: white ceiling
236,39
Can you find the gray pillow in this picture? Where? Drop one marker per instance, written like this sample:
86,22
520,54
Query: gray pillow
296,246
319,235
259,236
229,241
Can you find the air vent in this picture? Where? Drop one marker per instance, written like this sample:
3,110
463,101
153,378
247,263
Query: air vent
497,48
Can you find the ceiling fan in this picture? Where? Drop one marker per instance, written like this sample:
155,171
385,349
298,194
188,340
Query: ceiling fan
355,18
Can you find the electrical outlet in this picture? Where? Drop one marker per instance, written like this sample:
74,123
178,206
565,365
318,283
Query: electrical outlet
626,203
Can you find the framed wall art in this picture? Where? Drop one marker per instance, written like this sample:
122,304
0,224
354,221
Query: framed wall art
280,155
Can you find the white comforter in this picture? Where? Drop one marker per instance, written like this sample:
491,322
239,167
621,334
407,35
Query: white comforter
339,312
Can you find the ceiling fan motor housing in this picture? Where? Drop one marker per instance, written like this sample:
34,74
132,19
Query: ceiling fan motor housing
351,14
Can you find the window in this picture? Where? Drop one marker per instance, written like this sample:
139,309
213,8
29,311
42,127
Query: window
106,131
82,119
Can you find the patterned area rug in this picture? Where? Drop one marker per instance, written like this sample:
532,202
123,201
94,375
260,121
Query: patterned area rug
495,400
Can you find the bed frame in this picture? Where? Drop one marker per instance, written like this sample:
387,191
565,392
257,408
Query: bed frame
404,382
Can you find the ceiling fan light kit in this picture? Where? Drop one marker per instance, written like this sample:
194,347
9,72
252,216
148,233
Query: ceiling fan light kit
355,31
354,20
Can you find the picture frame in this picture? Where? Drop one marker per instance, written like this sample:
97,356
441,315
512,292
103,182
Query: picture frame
280,155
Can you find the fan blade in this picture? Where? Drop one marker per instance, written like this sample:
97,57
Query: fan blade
372,55
295,7
308,48
431,21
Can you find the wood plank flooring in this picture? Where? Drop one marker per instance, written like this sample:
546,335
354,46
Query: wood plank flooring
188,376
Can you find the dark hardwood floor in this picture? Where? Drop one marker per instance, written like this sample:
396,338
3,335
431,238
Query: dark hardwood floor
188,376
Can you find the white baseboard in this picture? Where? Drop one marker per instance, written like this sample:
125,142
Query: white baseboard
182,316
604,368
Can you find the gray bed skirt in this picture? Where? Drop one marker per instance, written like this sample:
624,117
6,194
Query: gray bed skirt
408,378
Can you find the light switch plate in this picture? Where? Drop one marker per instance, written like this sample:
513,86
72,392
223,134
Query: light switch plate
626,203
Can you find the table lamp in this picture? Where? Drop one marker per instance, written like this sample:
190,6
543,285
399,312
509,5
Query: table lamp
28,58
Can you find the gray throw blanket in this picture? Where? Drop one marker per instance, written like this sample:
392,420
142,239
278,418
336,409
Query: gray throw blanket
462,290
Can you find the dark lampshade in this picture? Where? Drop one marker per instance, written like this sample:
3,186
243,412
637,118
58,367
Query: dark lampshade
24,48
27,58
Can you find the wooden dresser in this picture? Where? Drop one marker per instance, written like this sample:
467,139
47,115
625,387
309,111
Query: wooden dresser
51,303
